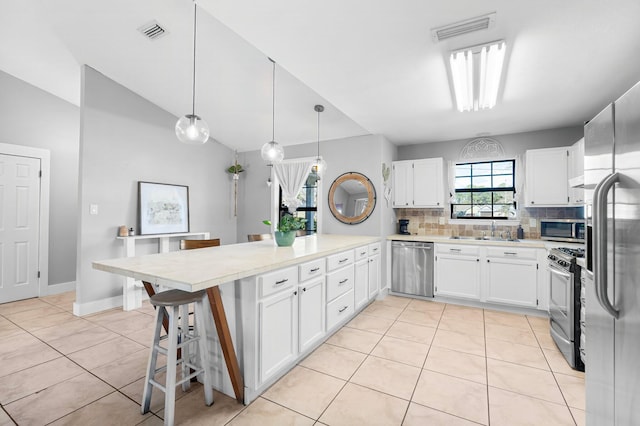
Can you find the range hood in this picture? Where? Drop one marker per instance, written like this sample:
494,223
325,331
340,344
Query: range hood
577,182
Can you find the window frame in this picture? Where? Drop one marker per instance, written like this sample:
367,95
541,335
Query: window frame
491,189
282,209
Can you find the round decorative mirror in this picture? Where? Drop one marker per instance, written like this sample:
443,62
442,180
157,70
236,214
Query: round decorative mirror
352,198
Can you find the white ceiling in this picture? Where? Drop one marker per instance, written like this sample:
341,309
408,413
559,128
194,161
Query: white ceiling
372,63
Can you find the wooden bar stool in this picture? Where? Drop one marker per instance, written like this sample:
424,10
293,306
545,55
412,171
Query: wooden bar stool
175,305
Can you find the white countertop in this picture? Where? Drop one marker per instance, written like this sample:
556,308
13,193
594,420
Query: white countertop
194,270
471,241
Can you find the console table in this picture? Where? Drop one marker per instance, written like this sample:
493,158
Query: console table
131,288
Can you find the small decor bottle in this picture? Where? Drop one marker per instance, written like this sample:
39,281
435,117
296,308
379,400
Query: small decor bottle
520,232
131,232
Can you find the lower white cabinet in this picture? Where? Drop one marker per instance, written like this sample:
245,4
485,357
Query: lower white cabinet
361,283
457,271
374,276
278,324
340,309
311,313
512,282
497,274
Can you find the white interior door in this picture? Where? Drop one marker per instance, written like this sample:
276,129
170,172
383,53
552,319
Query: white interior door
19,227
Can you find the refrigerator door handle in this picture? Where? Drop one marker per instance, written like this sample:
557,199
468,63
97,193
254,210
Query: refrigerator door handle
600,242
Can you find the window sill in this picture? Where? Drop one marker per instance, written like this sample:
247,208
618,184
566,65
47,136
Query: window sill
499,222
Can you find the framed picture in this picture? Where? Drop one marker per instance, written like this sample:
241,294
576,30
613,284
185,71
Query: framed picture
162,208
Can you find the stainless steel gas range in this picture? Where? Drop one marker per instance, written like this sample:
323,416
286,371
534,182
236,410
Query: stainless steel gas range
565,303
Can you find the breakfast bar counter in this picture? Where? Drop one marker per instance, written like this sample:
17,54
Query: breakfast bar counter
243,280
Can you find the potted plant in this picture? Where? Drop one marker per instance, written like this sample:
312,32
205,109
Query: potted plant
285,234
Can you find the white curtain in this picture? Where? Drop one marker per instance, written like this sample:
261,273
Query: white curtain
520,182
292,175
451,169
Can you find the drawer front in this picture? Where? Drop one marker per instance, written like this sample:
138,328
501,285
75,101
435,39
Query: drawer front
339,282
339,260
276,281
512,252
375,248
467,250
312,269
339,309
362,253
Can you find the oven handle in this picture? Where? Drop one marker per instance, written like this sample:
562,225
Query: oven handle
600,238
557,271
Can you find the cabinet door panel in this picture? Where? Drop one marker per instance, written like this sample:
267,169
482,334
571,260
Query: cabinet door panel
311,313
374,276
547,180
458,276
278,332
512,282
402,184
428,183
361,283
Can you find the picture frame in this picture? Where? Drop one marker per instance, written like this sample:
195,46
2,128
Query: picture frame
162,208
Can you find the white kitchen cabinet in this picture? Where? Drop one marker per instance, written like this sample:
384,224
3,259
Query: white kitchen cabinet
361,283
402,172
511,277
311,313
576,173
374,275
418,183
457,269
547,179
278,322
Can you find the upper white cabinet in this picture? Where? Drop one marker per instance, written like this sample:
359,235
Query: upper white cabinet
418,183
576,173
547,183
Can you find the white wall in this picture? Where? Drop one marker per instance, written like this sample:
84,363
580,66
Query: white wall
513,144
32,117
125,139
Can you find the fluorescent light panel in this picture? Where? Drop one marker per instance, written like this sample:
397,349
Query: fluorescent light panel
476,73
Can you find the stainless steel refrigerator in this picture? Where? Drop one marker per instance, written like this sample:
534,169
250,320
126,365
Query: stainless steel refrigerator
612,176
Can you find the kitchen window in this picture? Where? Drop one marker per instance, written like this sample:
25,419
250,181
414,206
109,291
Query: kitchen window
484,190
308,196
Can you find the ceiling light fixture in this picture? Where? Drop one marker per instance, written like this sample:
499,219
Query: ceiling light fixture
191,129
272,152
476,72
320,166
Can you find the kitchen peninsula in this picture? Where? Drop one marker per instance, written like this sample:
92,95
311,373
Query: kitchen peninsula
272,305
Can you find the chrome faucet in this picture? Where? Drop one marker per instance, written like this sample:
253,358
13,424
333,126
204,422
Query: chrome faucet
493,228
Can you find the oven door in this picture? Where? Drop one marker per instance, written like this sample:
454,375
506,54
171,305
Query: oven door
561,299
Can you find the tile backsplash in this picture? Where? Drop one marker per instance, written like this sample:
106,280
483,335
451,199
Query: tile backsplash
427,221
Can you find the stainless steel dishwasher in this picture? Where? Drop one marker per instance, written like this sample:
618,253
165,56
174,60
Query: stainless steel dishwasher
412,268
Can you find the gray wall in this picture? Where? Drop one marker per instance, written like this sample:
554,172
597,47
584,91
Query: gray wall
513,144
32,117
125,139
363,154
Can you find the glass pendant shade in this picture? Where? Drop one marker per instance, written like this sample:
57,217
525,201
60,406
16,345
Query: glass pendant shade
272,152
191,129
320,167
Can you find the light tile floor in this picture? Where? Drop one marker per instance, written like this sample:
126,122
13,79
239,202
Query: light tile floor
400,361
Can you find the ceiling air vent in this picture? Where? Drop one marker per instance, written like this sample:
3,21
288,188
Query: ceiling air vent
463,27
152,30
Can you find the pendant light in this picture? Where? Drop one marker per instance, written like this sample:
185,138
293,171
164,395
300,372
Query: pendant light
320,166
191,129
272,152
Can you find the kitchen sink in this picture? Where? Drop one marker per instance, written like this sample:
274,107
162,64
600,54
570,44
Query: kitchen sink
457,237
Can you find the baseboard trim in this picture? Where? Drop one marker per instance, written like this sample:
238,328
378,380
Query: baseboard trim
81,309
60,288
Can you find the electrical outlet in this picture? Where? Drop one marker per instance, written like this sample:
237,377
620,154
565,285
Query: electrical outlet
441,221
533,223
93,209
